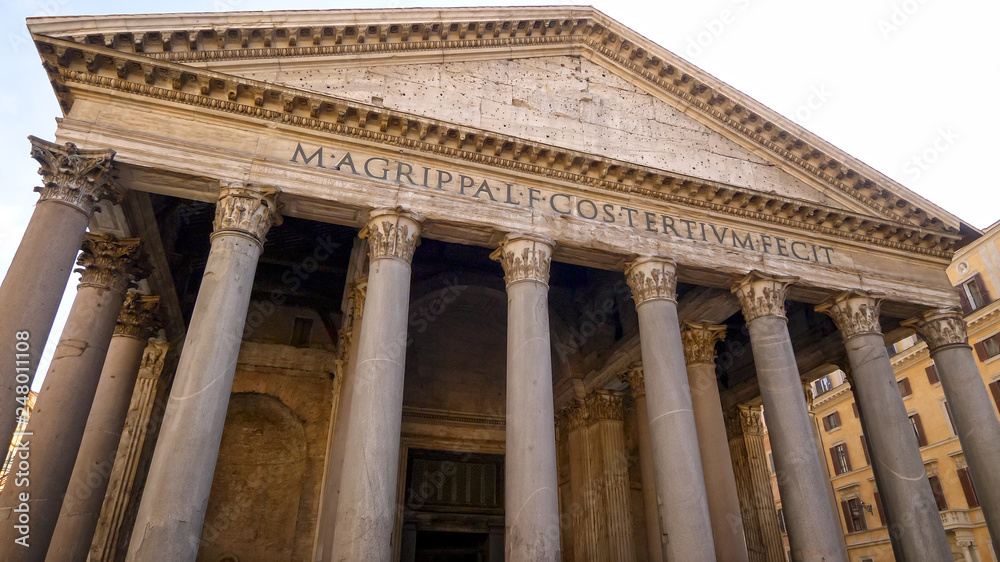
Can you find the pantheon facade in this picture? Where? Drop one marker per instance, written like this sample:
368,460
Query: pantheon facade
460,284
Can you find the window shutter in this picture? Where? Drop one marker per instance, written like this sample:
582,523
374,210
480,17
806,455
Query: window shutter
854,406
968,488
995,389
836,419
847,458
847,517
904,387
833,457
942,502
981,351
982,289
966,305
878,504
932,375
864,449
921,437
826,423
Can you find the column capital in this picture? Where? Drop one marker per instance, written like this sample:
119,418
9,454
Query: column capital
153,358
359,291
73,176
699,341
139,316
854,312
246,209
652,278
744,420
111,263
392,233
634,377
604,405
762,295
525,257
941,327
574,416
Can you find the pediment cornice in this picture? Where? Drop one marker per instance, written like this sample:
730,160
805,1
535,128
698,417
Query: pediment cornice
73,64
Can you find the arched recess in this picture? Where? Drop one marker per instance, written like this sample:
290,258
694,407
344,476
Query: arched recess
261,463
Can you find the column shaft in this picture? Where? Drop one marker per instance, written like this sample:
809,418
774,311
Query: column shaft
366,506
720,483
57,423
654,536
680,482
172,511
972,413
583,514
73,181
531,499
811,523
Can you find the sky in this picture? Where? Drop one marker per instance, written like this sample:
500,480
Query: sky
899,84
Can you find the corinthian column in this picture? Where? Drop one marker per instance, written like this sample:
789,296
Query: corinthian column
366,505
654,536
723,500
906,493
89,481
172,510
108,267
977,426
676,458
73,181
811,523
121,491
531,501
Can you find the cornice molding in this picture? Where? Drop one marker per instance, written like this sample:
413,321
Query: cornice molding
339,33
69,63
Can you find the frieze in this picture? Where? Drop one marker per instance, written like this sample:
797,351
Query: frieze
139,316
941,328
854,312
652,278
79,178
762,295
524,257
392,128
699,341
112,263
392,233
247,209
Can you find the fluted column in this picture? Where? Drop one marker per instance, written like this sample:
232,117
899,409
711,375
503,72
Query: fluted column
73,181
108,267
720,483
366,505
610,468
811,523
120,491
531,499
680,484
977,426
654,536
745,430
906,494
169,522
334,469
82,505
583,513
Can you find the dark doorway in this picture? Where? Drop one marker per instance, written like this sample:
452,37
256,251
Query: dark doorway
440,546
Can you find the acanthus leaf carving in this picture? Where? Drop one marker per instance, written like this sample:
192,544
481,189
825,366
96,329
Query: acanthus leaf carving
762,295
699,341
525,257
854,312
139,316
74,176
636,382
392,233
112,263
652,278
940,327
247,209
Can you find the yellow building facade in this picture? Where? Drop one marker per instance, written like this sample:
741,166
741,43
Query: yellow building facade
975,271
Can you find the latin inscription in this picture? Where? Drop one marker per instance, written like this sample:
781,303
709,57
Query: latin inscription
502,193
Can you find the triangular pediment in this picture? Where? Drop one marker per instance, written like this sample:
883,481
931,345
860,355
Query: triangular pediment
564,87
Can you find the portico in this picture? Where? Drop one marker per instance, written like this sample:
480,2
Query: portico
540,330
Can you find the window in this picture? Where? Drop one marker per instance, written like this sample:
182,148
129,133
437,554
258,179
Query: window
918,429
841,460
970,491
947,417
832,421
932,374
823,385
973,294
781,521
988,348
904,387
878,504
942,503
854,515
301,332
854,406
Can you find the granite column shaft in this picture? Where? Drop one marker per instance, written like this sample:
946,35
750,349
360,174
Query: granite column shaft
654,535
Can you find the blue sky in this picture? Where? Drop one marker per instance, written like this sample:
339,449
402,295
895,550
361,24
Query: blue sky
898,84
